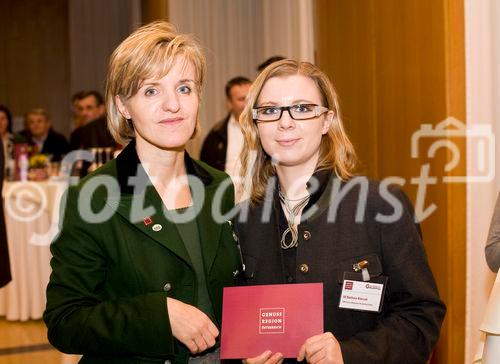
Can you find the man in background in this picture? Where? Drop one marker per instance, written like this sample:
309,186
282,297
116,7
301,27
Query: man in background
77,119
222,146
268,61
43,136
93,132
88,106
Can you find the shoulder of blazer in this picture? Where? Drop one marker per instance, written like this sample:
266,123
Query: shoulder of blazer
221,127
100,182
217,134
377,198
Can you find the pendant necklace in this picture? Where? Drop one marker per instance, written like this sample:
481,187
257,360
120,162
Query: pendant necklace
290,213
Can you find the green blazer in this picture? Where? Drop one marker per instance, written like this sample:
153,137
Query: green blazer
106,298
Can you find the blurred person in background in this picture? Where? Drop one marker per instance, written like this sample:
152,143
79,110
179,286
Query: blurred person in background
5,132
89,108
222,146
492,249
77,118
5,275
43,137
95,132
268,61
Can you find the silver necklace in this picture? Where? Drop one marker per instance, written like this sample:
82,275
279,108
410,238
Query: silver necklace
291,213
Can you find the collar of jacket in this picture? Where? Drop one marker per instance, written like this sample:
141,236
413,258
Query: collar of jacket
128,165
320,197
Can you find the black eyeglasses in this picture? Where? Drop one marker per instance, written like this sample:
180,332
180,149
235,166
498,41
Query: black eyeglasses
296,112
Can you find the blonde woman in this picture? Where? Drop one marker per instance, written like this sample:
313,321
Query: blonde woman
131,283
311,219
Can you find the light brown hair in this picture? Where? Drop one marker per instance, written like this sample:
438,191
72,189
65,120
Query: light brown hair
336,150
149,52
37,111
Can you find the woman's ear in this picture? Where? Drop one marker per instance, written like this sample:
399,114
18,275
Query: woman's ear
122,108
327,121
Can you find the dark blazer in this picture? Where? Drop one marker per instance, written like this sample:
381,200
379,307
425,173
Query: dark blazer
214,149
5,276
75,138
96,135
56,145
106,298
408,327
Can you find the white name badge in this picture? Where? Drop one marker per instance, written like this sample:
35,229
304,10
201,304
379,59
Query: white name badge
361,296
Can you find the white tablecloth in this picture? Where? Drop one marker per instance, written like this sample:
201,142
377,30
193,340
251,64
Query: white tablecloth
31,215
489,350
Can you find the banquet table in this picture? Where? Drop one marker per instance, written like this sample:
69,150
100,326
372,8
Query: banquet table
489,347
31,219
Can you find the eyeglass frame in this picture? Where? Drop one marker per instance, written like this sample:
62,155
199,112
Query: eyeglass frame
318,111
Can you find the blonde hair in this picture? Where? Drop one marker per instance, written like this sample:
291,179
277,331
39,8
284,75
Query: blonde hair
149,52
336,150
36,111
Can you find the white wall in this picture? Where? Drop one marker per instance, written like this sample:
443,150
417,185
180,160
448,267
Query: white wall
482,26
238,35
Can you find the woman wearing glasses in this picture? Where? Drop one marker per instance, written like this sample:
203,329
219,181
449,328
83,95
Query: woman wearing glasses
311,220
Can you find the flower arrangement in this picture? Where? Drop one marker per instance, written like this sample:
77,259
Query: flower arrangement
38,161
38,167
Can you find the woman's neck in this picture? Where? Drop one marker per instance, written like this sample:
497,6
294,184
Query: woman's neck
161,163
293,179
167,171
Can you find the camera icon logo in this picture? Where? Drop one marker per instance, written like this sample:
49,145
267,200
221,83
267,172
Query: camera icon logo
479,138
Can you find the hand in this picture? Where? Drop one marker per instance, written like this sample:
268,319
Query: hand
267,357
191,326
322,348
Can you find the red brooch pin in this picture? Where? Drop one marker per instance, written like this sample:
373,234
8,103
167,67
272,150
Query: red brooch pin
147,220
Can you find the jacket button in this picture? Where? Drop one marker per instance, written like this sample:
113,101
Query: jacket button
304,268
307,235
167,287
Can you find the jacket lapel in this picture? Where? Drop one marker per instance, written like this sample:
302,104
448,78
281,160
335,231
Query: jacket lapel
208,229
143,207
145,211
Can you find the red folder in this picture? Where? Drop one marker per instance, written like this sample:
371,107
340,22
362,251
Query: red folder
272,317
